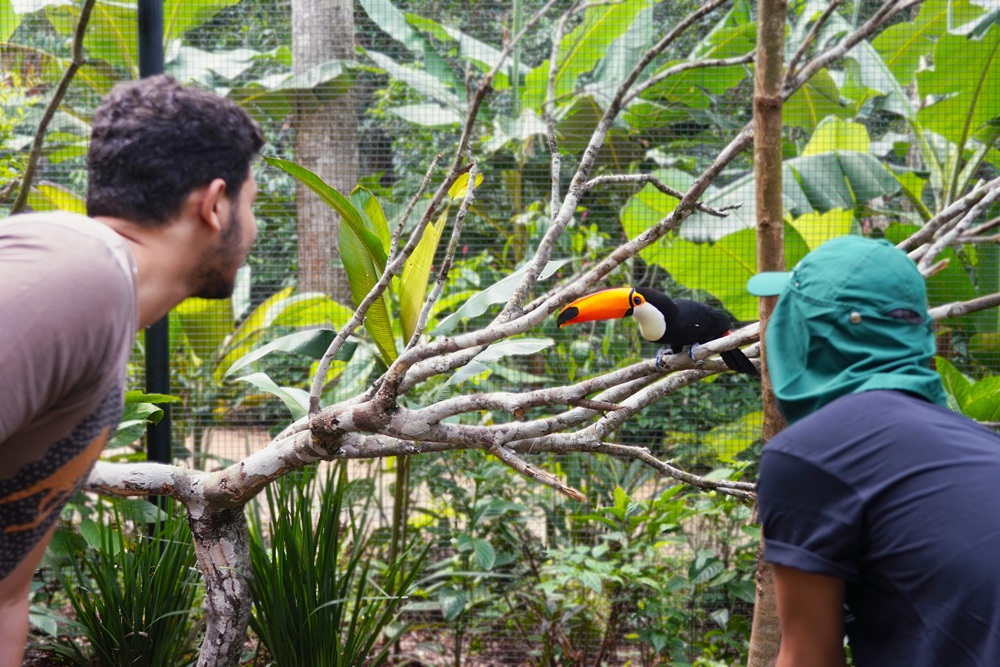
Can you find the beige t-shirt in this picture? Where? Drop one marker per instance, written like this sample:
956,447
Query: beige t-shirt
68,317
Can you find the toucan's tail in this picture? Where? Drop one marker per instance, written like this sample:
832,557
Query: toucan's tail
739,362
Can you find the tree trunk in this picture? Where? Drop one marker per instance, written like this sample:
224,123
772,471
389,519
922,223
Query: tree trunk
222,546
326,140
765,636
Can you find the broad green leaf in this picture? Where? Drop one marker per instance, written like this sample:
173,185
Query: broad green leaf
649,205
818,228
31,6
739,16
111,33
729,440
363,275
482,55
372,214
422,82
977,28
9,20
624,53
428,115
352,378
498,292
486,556
839,180
179,16
813,183
193,64
497,352
311,343
721,268
275,95
903,45
390,19
310,310
729,38
101,538
452,603
53,197
460,187
296,400
281,309
370,242
416,271
205,324
868,75
954,382
574,127
983,401
834,134
813,102
691,87
968,102
582,49
138,397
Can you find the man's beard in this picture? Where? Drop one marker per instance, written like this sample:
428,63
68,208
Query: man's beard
216,272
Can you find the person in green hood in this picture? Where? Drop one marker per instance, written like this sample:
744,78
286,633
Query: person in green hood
880,506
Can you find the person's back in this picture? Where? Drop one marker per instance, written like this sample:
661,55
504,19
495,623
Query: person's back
877,498
900,498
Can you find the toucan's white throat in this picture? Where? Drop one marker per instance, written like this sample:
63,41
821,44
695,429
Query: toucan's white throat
651,323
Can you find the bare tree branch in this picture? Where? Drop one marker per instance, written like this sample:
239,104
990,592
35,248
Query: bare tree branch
957,208
721,212
811,37
75,63
957,230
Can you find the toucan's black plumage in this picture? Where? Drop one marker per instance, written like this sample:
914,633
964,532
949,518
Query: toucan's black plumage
675,323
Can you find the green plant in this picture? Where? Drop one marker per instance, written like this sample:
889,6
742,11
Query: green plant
321,597
663,577
132,591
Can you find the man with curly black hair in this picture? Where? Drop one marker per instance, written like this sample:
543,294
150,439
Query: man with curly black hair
169,215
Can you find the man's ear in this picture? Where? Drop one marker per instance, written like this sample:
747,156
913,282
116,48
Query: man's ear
212,203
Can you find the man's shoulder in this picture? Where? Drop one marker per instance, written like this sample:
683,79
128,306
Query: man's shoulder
63,244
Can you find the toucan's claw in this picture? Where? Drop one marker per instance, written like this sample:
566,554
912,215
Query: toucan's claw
661,358
691,350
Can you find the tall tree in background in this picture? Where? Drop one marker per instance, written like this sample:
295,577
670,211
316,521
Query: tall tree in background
326,138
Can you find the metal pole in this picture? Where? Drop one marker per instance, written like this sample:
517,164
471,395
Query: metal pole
157,336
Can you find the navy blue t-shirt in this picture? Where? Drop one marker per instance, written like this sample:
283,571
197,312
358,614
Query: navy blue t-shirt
900,498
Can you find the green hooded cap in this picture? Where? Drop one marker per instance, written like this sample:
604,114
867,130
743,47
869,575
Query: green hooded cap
851,317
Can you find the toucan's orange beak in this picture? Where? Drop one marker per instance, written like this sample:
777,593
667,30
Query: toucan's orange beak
609,304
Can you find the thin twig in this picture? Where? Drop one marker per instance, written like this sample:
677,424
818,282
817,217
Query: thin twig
944,216
75,64
398,234
662,187
949,237
449,257
979,230
548,113
548,479
685,66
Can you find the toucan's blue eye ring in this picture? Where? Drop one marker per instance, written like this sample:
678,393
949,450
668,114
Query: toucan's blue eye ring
637,300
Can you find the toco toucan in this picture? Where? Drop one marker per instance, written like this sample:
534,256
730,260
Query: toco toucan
674,323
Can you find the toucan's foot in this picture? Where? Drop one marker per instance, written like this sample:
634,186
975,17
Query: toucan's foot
661,358
694,346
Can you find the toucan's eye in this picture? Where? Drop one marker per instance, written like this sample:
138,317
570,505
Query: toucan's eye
637,300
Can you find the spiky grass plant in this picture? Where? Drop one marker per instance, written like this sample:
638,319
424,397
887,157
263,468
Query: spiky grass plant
321,598
133,592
